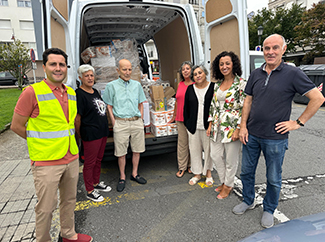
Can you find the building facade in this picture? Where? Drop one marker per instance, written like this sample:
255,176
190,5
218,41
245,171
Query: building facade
16,21
273,4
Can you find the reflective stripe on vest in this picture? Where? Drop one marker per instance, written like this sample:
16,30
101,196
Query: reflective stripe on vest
49,135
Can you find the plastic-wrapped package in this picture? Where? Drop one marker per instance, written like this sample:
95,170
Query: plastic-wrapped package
105,60
88,53
102,51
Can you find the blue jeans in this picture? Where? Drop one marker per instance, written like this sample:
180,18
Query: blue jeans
273,151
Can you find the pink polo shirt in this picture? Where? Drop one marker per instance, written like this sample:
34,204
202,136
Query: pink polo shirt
180,96
27,106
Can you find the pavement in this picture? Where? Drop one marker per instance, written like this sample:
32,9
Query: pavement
18,199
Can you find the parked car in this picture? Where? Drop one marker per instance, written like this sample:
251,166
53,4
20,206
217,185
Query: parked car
7,79
304,229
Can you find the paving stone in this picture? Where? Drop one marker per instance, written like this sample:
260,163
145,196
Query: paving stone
32,219
8,207
2,233
2,218
2,205
17,218
28,215
30,232
5,197
32,203
6,221
19,233
9,233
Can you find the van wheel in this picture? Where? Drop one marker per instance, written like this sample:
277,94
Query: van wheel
16,83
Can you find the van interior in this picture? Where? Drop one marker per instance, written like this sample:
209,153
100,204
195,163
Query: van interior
165,25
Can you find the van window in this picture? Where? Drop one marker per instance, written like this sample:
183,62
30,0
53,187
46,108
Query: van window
256,61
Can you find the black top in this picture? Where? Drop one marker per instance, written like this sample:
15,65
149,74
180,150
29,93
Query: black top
191,107
92,109
272,98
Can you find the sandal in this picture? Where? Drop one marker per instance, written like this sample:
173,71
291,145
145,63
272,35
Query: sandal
180,173
219,188
189,170
225,192
194,180
209,181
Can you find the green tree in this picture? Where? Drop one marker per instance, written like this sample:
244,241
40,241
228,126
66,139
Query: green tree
14,57
281,21
311,33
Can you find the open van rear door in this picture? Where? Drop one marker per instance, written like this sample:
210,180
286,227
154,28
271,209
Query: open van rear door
226,30
55,16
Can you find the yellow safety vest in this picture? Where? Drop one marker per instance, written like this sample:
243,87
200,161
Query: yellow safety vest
49,135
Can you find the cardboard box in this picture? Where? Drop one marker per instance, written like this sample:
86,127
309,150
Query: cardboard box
158,118
169,114
157,97
172,129
159,130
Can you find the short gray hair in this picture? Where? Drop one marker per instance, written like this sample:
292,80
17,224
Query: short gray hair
84,68
283,39
202,67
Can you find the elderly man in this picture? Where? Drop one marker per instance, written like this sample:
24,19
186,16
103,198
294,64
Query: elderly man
49,109
266,123
124,98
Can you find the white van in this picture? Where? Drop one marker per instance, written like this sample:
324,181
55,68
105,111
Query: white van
173,28
256,59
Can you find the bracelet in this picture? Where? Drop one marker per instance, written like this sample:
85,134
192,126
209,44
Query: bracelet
299,122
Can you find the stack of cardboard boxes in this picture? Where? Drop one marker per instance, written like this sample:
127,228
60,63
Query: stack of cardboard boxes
161,113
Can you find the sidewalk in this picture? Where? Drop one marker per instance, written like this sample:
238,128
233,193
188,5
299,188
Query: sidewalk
18,199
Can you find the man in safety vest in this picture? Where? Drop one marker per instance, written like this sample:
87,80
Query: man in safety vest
49,108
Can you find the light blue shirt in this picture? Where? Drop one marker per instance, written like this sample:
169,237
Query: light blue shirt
124,97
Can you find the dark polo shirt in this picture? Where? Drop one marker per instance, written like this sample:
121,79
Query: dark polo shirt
272,98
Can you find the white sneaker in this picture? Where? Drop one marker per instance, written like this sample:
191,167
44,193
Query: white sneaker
95,196
102,187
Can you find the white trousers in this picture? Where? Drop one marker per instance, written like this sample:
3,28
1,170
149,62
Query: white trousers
199,142
225,157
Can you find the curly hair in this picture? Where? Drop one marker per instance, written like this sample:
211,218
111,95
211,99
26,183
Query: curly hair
182,65
215,69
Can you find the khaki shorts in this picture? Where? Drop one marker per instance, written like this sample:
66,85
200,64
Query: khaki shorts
128,131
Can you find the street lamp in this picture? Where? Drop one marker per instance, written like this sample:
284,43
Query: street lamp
259,33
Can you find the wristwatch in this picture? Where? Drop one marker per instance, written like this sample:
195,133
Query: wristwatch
299,122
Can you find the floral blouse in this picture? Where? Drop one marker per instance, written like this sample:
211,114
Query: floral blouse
229,117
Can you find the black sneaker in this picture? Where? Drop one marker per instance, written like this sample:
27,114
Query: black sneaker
102,187
95,196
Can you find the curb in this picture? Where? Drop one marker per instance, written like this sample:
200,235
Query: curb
7,126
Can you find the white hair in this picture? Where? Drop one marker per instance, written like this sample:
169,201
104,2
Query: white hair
84,68
283,39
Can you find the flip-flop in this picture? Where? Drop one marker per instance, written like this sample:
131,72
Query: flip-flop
209,181
193,180
180,173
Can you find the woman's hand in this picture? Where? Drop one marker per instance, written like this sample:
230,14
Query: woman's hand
208,132
235,135
172,120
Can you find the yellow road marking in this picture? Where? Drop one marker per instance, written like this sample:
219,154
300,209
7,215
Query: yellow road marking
83,205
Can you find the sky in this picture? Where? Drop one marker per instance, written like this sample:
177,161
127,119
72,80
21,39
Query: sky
254,5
